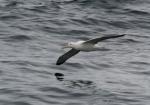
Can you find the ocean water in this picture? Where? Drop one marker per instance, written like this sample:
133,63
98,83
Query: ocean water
31,36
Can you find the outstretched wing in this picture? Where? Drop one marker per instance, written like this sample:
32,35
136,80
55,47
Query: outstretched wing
66,56
96,40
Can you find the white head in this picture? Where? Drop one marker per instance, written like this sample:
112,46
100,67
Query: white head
68,45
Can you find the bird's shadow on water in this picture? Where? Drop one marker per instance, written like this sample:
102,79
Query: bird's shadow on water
85,88
77,83
80,84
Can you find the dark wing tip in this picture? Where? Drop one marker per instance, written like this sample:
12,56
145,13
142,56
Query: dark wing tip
121,35
116,36
59,61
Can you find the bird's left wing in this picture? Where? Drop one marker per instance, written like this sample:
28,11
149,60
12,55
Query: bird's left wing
96,40
66,56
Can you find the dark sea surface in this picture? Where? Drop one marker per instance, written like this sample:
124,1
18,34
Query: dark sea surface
32,33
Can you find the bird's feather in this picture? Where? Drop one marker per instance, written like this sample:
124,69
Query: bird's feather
66,56
96,40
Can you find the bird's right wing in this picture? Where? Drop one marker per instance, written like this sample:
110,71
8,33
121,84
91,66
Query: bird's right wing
96,40
66,56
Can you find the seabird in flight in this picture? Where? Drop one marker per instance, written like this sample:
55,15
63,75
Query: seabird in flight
86,46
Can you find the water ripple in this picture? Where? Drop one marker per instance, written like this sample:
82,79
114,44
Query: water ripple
31,35
18,38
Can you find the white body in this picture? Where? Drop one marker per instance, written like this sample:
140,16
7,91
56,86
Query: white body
83,47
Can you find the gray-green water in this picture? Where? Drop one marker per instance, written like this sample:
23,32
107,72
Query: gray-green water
31,35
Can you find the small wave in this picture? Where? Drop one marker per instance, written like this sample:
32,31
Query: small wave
104,65
144,73
140,21
9,17
18,38
7,91
127,99
75,1
139,63
80,21
74,65
120,24
19,62
12,3
130,41
38,8
137,12
54,89
140,67
79,32
20,103
93,20
43,7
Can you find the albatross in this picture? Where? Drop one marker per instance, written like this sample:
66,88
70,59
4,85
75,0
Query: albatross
86,46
